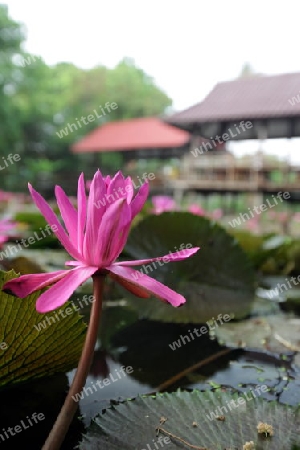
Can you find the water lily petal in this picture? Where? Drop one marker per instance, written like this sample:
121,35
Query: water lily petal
97,196
114,226
131,287
52,219
73,263
163,203
26,284
58,294
129,189
118,188
68,214
81,207
148,284
176,256
107,180
139,200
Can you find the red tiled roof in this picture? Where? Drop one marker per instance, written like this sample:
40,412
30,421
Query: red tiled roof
254,97
134,134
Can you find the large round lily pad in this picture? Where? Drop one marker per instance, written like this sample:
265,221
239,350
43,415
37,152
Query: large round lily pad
204,420
217,280
34,345
276,333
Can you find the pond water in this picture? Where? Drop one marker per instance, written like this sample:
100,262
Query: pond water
137,356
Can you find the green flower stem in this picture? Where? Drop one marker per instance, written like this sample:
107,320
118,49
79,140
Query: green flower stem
69,408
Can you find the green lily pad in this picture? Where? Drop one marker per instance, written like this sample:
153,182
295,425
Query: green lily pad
253,245
24,265
36,228
217,280
34,345
275,242
276,333
36,261
194,418
269,253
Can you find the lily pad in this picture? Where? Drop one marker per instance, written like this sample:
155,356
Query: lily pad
46,261
199,420
34,345
270,253
23,265
276,333
253,245
217,280
37,229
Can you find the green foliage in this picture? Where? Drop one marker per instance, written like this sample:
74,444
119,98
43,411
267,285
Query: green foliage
275,333
29,353
269,253
37,101
138,423
36,224
11,37
218,279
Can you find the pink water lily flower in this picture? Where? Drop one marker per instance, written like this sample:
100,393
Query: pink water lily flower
196,209
6,225
163,203
94,235
217,214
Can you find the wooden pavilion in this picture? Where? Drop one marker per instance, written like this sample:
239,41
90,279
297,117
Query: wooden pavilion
258,107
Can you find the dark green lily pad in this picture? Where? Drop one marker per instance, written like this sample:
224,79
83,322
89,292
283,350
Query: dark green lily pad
273,333
253,245
194,417
217,280
270,253
34,345
36,228
23,265
49,260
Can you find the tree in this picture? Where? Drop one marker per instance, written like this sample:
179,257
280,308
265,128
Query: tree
247,71
11,37
37,101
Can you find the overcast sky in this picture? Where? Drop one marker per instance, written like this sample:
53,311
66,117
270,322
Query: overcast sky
186,46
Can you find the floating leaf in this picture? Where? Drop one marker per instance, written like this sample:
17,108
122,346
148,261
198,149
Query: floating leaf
275,242
218,279
37,229
253,245
269,253
26,352
274,333
23,265
36,261
191,418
